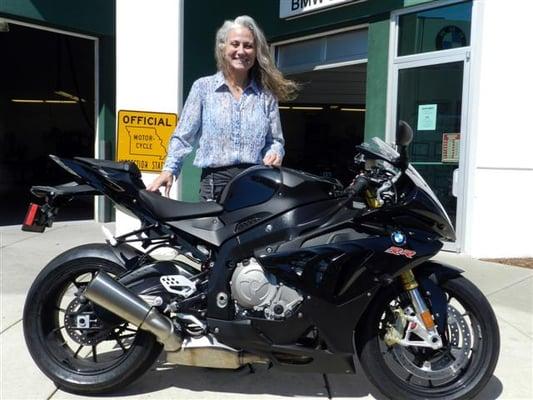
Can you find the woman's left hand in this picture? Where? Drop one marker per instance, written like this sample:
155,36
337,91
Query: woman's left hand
272,159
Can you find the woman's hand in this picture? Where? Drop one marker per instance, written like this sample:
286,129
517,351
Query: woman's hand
272,159
165,179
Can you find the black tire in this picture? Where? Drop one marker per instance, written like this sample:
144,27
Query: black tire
396,370
54,342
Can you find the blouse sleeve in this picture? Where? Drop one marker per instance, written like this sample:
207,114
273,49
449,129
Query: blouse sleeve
274,139
187,132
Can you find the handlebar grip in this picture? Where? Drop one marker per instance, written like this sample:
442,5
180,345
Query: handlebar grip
360,184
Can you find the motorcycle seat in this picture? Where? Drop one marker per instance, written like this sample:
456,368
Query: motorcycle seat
167,209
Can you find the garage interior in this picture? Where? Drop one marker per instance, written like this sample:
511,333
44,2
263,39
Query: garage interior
326,121
47,106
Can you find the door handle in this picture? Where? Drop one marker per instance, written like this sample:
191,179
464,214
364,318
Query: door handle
455,182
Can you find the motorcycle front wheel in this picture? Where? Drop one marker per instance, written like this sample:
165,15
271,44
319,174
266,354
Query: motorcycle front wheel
459,370
82,348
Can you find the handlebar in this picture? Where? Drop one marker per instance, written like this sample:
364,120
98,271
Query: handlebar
359,185
363,182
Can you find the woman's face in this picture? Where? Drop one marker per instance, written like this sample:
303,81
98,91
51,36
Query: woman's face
240,50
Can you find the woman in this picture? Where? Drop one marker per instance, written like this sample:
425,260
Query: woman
233,115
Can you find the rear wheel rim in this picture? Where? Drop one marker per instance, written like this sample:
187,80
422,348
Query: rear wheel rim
80,350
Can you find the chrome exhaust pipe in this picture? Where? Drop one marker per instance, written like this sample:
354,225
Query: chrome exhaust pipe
115,297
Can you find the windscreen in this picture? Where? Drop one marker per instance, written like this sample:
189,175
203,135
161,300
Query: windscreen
417,179
380,149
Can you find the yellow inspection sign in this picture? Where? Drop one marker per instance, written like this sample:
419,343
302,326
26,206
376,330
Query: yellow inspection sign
143,138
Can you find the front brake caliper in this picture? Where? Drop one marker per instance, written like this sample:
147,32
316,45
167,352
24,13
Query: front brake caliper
420,322
393,335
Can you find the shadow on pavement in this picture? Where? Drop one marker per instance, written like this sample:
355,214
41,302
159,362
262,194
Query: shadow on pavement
266,381
263,381
492,391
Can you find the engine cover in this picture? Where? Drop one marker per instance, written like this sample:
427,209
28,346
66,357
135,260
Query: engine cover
254,289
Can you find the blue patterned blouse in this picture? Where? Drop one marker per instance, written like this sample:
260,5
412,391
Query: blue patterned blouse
228,131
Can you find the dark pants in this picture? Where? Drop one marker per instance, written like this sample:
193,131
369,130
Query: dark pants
214,180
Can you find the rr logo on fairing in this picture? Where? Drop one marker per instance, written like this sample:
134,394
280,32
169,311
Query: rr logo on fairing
398,251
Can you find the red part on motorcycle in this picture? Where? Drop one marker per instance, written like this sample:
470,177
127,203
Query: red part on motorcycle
35,220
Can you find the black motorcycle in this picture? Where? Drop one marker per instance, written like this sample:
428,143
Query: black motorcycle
288,269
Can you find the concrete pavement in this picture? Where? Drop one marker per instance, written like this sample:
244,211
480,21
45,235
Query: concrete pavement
23,255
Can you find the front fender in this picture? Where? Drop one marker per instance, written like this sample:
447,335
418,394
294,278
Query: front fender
436,271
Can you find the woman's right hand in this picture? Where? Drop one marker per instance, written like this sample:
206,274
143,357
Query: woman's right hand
165,179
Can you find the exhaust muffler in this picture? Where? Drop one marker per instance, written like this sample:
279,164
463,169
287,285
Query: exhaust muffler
115,297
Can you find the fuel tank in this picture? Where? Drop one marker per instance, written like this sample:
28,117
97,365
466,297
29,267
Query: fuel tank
259,184
261,194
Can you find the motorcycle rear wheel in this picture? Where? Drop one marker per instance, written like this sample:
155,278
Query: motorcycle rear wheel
458,371
82,361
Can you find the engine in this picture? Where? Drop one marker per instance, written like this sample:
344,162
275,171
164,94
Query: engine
257,292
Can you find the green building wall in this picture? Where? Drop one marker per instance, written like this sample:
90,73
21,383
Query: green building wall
376,79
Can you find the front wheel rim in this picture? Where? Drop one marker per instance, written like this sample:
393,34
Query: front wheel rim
444,370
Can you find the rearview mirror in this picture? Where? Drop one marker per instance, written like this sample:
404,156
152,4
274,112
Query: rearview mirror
404,134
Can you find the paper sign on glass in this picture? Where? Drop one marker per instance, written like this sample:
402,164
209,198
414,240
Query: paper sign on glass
427,117
450,147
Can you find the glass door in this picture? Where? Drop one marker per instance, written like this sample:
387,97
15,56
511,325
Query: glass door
430,98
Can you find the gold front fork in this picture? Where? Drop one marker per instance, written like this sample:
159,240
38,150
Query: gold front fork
371,200
408,280
410,285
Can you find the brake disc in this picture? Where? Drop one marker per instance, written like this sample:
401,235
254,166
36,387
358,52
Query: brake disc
446,362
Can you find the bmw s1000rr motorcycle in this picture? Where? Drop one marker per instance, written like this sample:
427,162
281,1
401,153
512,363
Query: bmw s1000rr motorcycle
294,271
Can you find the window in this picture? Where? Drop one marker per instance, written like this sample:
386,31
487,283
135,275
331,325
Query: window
435,29
308,55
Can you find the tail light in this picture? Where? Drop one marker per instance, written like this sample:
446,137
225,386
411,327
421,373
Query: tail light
37,218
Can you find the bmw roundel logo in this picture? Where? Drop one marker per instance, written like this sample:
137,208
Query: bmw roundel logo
398,238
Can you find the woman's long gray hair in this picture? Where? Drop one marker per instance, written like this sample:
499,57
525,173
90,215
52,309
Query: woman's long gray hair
264,69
